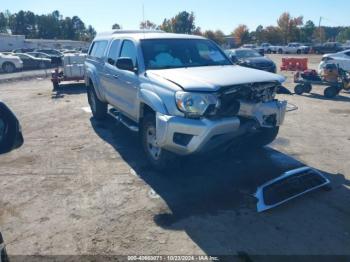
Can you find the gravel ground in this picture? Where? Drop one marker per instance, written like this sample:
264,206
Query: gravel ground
81,187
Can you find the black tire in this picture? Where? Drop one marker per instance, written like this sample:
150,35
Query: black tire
8,67
268,51
158,157
307,88
330,92
280,51
298,52
98,108
299,89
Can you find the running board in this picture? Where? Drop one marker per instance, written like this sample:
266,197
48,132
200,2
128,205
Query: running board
123,119
288,186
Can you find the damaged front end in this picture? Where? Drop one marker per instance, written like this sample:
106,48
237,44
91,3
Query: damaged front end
255,101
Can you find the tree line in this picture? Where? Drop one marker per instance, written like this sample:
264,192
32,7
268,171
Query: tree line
287,29
46,26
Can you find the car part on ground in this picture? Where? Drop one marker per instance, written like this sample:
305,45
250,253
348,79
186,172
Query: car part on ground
288,186
10,130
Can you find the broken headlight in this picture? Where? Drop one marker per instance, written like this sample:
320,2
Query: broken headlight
196,104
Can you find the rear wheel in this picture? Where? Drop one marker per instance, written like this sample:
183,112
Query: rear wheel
299,89
268,51
330,92
8,67
280,51
158,157
299,52
98,108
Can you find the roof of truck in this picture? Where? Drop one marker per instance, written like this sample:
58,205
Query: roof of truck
143,34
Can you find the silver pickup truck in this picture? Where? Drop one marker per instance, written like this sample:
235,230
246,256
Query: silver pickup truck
181,92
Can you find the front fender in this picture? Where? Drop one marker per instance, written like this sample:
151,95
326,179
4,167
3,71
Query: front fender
153,100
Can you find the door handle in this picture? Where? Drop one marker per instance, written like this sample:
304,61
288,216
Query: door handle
116,76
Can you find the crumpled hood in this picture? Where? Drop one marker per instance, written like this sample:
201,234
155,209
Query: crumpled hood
212,78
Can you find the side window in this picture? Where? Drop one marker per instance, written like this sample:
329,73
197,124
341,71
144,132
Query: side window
101,49
98,49
92,48
113,52
129,50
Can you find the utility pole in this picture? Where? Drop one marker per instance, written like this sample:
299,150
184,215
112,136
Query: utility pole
319,28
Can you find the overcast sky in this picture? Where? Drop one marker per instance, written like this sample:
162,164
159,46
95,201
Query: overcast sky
210,14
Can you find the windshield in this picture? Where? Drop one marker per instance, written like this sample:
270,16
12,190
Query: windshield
246,54
177,53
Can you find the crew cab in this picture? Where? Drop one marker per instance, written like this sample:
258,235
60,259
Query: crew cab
181,92
326,48
268,48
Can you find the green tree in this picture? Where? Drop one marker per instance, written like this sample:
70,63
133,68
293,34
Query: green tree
273,35
218,36
344,35
307,31
289,27
183,22
3,23
148,25
241,33
116,26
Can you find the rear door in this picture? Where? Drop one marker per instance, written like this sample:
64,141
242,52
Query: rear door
123,84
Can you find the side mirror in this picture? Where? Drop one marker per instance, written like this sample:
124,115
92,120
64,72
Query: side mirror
125,63
10,130
233,58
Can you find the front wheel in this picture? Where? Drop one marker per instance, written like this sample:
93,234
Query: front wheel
158,157
8,67
330,92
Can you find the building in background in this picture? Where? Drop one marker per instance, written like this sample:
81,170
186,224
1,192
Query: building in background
10,42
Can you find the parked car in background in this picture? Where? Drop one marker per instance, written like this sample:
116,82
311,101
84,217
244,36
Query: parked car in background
268,48
330,47
296,48
50,52
10,63
251,58
182,93
31,62
255,47
22,50
342,59
55,60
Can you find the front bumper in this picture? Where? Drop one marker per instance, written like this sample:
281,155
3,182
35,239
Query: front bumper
205,134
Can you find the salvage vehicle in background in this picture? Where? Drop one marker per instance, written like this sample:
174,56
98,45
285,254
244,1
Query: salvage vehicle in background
330,47
296,48
10,130
55,60
10,63
341,59
250,58
268,48
255,47
182,93
50,52
31,62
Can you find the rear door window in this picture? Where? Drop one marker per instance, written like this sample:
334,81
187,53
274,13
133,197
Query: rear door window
113,52
98,49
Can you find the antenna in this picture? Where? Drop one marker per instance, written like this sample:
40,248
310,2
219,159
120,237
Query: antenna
143,19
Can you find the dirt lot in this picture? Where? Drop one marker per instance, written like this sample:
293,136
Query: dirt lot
82,187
